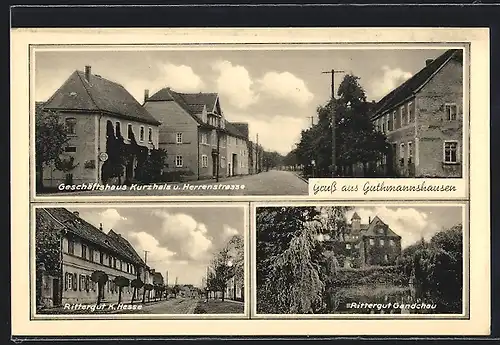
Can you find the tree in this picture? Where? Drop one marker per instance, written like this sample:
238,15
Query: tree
357,142
152,168
121,282
148,288
100,278
136,284
50,139
222,268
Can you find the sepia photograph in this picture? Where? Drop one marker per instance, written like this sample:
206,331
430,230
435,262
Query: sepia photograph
141,260
213,122
360,260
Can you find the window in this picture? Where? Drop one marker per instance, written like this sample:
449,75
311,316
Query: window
390,122
402,114
91,254
356,245
411,113
84,251
381,242
121,266
101,258
402,153
382,119
178,138
130,132
178,161
70,149
110,261
386,258
118,129
348,246
410,151
451,111
213,139
150,134
387,120
69,281
391,243
223,162
71,247
450,152
114,263
142,133
372,241
204,161
71,125
204,138
394,119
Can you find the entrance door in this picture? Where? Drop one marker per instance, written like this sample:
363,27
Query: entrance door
56,292
229,166
235,164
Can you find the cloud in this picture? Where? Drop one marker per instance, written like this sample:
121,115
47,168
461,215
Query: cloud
143,241
229,231
390,79
267,125
184,236
407,222
286,86
181,78
234,84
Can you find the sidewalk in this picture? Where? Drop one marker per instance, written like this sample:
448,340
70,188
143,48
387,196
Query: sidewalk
300,176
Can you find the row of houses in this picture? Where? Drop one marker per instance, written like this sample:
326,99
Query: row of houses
200,142
423,121
69,253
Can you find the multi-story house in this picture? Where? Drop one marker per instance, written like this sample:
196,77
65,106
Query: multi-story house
93,109
423,121
370,244
198,138
78,251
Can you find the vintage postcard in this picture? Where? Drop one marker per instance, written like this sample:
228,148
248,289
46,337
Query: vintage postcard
138,260
250,182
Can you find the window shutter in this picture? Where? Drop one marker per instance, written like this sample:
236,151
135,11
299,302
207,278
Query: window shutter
66,281
75,281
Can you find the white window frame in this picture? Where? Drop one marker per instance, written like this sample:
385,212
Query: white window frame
448,114
177,158
204,138
381,242
178,138
410,104
204,161
372,242
401,115
394,120
129,126
402,150
142,133
456,153
391,243
74,120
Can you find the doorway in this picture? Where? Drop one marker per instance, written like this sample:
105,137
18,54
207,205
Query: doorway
56,292
234,164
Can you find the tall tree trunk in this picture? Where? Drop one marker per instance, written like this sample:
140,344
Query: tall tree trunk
99,294
144,296
133,296
120,295
40,177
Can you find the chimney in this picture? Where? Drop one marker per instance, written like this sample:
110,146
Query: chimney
146,95
100,226
77,214
369,220
88,71
428,62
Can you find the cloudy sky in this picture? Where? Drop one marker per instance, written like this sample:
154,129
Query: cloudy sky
412,223
181,240
275,91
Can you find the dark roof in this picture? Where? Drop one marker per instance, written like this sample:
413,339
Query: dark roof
125,245
242,127
98,95
87,231
355,216
195,99
231,129
410,86
374,224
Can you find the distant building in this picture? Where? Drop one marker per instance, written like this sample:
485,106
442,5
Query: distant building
195,133
234,290
423,121
94,108
370,244
83,249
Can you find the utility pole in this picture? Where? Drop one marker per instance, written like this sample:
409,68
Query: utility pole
333,120
217,131
312,120
257,154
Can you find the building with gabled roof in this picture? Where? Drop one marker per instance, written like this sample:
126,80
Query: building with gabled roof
82,249
198,138
367,244
94,108
423,120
